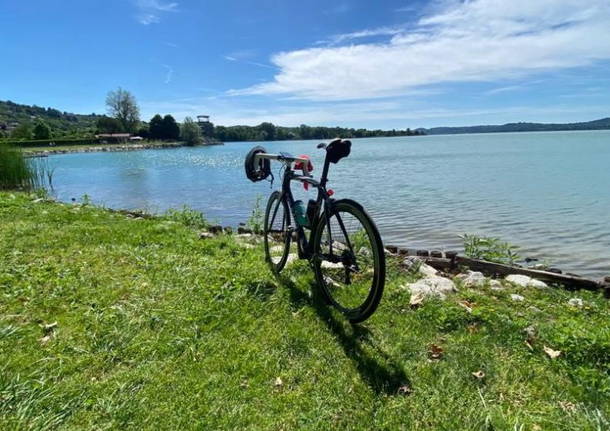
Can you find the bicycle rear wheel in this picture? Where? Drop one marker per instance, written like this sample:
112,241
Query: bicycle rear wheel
349,262
277,232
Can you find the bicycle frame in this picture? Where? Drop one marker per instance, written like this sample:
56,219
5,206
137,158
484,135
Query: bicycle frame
305,245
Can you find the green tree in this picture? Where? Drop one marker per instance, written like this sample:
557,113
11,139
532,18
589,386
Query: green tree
108,125
122,105
143,131
190,132
155,127
267,131
171,130
22,131
42,130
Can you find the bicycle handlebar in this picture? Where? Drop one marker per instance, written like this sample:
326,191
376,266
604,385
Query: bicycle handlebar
280,157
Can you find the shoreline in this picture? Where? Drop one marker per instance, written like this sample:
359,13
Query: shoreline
39,152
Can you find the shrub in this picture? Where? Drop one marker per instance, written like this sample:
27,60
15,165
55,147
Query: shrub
190,132
187,216
490,249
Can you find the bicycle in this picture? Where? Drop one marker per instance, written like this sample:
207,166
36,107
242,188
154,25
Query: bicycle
344,246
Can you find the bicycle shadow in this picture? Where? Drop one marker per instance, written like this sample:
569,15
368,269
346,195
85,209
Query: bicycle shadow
383,376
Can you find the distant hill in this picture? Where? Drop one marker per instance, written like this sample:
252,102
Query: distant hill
602,124
62,123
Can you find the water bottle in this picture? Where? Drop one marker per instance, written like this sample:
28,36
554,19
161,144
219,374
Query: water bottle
299,214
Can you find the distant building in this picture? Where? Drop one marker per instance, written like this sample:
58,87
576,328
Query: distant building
116,137
207,128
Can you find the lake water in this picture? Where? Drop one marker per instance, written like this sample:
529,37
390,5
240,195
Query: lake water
548,193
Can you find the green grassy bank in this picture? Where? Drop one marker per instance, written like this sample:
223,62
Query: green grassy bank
115,322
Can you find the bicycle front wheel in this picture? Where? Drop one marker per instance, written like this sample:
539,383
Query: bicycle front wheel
277,232
349,261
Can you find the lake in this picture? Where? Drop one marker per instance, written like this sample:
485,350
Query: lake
547,192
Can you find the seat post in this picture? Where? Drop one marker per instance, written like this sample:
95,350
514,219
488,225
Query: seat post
324,176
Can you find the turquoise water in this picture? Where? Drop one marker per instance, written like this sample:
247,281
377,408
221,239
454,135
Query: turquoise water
548,193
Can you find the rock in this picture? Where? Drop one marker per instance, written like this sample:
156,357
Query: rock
422,253
534,309
496,285
246,245
516,297
530,331
364,251
290,259
436,253
277,249
415,264
432,286
472,279
576,302
243,230
216,229
228,230
525,281
206,235
331,265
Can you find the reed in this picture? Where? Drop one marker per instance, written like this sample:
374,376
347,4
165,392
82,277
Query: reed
20,173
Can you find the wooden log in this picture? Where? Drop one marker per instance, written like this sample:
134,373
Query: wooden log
491,268
439,263
392,248
451,254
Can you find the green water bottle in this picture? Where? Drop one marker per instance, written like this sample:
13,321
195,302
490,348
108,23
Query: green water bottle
299,214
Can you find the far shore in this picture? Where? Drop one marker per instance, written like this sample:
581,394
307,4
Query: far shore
65,149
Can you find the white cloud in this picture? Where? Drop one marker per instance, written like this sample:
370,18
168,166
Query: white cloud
380,31
149,10
479,40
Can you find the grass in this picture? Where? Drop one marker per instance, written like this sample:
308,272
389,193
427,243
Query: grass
115,322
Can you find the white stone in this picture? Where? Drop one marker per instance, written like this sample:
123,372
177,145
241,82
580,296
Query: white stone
496,285
525,281
290,259
411,263
206,235
331,265
576,302
516,297
432,286
472,279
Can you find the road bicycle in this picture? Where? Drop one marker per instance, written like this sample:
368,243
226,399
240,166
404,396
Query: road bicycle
343,247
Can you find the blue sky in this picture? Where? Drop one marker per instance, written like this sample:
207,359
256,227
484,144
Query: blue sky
351,63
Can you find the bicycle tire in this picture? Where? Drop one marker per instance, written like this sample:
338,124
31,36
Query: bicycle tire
274,238
367,307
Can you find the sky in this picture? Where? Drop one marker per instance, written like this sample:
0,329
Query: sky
352,63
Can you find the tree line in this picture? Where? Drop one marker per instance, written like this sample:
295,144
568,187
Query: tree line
123,116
